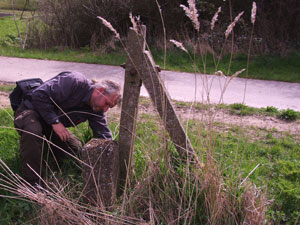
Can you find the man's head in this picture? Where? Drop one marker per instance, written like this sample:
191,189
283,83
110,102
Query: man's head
105,95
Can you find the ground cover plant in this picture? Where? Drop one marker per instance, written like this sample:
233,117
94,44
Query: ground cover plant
236,175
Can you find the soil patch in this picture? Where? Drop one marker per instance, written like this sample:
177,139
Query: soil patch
4,99
225,117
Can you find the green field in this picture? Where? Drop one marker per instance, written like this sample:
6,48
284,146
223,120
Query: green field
236,150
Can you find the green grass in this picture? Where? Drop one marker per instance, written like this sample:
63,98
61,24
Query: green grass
270,67
18,4
289,114
7,87
237,151
81,56
8,31
239,109
244,110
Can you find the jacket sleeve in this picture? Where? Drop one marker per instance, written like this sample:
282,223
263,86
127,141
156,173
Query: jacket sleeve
99,126
51,93
42,103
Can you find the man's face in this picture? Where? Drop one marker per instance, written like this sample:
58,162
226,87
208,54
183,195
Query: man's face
102,102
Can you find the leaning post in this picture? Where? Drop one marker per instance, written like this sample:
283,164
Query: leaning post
162,101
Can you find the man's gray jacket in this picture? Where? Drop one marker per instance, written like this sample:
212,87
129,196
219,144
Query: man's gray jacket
68,93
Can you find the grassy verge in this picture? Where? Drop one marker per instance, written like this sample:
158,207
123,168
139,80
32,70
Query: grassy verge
18,4
7,87
237,152
239,109
270,67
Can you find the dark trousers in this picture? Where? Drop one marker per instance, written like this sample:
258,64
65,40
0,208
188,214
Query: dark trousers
33,130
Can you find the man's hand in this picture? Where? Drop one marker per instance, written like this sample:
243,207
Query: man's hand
61,131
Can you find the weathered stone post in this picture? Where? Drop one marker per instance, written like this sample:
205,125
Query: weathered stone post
100,178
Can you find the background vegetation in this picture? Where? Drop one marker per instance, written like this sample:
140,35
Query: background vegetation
69,30
73,23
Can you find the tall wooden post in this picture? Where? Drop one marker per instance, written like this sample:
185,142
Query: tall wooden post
131,93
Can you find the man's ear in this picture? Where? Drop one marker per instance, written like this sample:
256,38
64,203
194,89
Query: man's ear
101,90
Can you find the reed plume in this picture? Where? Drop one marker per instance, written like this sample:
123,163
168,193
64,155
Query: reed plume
134,20
253,12
179,45
215,19
109,26
232,25
192,13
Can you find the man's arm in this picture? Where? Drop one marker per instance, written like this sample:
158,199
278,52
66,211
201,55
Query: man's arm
99,126
49,97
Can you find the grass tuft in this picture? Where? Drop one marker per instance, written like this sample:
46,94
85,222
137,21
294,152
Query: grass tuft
289,114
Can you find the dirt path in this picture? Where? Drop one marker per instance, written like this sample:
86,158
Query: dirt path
4,99
222,116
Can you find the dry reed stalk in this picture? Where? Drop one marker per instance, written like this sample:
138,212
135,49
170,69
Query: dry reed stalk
215,19
232,25
164,31
227,81
192,13
253,17
57,205
254,203
109,26
215,199
5,109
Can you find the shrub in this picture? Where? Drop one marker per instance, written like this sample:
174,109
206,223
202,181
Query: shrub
241,109
271,109
289,114
74,23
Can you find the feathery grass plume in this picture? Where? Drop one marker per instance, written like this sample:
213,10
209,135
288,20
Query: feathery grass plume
179,45
192,13
253,12
134,20
109,26
215,19
231,26
220,73
238,72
